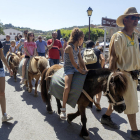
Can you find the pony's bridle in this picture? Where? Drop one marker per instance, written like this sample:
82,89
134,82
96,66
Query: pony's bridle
108,92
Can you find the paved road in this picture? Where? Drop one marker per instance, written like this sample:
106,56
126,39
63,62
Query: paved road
32,122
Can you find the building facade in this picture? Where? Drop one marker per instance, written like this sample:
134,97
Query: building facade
11,32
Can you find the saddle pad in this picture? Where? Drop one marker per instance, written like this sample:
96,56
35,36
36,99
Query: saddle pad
26,69
57,85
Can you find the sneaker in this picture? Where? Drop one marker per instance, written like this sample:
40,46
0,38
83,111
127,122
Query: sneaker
135,135
6,118
22,81
109,122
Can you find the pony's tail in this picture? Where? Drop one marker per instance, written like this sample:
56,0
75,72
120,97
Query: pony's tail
44,89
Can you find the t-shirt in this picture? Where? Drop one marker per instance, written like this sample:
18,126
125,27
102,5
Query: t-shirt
127,51
6,46
1,65
31,46
41,46
96,65
54,51
17,43
62,42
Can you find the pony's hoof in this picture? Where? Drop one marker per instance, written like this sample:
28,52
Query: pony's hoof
68,121
29,90
36,95
86,137
50,112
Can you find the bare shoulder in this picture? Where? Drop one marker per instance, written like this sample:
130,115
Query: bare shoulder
68,48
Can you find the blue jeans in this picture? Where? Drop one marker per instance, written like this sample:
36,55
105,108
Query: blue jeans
41,54
53,61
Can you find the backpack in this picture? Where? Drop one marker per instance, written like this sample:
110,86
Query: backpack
89,57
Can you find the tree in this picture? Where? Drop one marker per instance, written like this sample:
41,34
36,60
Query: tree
1,29
94,33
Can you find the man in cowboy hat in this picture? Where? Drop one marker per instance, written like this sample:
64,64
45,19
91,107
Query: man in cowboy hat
125,56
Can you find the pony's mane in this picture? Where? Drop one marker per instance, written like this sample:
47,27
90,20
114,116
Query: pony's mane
98,72
43,61
101,75
121,82
16,59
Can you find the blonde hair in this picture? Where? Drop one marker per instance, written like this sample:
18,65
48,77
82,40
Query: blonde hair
75,36
13,41
96,43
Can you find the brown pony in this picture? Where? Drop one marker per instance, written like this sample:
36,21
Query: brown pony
37,66
95,82
13,64
20,55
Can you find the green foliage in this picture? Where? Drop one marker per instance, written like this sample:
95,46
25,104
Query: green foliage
94,33
1,29
48,37
65,33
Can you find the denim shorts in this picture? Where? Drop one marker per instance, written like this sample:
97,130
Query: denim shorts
2,73
69,70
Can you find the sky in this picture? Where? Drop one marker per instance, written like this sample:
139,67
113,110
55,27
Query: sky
56,14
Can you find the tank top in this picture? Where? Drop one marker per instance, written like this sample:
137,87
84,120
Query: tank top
67,62
13,49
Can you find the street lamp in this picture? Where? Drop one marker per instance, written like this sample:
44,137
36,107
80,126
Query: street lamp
89,12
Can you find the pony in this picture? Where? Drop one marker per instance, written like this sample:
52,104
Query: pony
36,67
113,85
13,61
20,55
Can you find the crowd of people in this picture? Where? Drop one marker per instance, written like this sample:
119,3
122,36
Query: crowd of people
121,54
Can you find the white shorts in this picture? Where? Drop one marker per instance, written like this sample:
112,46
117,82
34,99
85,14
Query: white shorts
2,73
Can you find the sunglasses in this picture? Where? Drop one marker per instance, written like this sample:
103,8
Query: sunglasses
31,35
39,38
134,18
25,33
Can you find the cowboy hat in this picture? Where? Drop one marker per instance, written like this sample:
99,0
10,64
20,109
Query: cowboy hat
128,12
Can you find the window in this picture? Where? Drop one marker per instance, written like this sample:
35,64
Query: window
14,34
10,33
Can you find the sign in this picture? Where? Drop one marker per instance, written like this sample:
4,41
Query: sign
109,22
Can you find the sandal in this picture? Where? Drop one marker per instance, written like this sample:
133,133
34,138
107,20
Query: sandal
98,106
22,81
63,114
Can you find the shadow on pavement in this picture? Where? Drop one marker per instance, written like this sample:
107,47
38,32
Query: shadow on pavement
17,86
6,129
36,102
115,118
64,130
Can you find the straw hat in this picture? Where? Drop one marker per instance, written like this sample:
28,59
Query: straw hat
130,11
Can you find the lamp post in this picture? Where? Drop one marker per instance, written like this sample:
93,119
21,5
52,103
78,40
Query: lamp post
89,12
